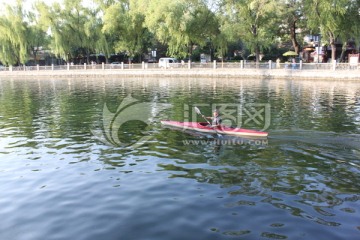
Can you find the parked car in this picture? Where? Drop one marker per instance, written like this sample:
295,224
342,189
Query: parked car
168,62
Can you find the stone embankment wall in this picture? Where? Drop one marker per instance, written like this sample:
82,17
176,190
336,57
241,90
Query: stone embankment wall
208,73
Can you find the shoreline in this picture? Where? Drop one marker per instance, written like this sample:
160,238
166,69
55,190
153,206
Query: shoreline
352,75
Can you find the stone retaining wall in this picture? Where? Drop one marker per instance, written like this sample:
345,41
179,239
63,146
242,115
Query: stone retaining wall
208,73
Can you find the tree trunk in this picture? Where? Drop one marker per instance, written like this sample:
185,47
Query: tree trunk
257,48
190,51
257,55
34,55
343,50
333,46
87,56
293,37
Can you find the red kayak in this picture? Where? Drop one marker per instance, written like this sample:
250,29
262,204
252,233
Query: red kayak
205,128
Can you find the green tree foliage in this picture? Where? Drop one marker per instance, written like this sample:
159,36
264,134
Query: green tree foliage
37,38
326,16
181,24
291,13
125,23
254,21
350,31
13,35
97,41
74,30
226,34
106,43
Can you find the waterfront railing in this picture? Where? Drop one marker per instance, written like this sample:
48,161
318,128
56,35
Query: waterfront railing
334,66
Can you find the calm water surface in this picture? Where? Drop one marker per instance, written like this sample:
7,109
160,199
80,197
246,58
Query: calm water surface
78,160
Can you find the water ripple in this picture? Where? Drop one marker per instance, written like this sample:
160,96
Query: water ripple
59,181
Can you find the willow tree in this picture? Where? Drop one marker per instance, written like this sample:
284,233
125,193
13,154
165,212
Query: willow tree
13,35
125,23
254,22
326,16
106,42
97,41
37,39
73,29
8,51
181,24
228,34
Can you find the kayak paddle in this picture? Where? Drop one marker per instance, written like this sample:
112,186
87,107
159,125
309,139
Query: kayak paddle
197,110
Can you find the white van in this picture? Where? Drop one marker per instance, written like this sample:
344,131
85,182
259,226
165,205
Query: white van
168,62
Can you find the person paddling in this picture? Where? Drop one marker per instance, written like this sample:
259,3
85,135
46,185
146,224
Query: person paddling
215,119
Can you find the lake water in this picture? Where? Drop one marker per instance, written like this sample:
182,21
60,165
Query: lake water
88,159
